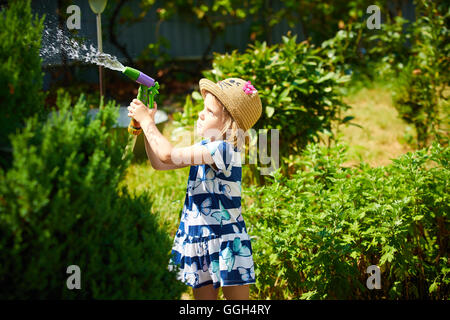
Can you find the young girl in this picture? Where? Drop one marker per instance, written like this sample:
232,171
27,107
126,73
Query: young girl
211,248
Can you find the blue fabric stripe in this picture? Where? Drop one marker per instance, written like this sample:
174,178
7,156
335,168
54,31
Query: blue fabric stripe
234,278
182,260
215,231
236,174
193,173
179,258
233,203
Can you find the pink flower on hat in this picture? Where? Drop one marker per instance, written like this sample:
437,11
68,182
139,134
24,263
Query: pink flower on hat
249,89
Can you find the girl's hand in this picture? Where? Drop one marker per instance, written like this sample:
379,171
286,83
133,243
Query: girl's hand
139,112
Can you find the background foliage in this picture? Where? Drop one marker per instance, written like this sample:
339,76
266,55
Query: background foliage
316,233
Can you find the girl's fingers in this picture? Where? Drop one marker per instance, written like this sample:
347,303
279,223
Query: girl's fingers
136,103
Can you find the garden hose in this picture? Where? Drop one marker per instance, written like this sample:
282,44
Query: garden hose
147,90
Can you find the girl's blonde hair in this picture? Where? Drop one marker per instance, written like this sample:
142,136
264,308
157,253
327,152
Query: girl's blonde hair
230,131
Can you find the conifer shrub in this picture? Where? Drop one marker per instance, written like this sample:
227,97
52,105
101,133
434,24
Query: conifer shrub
60,205
21,76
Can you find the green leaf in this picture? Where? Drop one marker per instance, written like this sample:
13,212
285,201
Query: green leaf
388,255
270,111
308,295
433,287
326,77
347,119
284,95
300,81
196,96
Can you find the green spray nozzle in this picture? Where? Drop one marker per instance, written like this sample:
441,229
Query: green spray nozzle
139,77
147,90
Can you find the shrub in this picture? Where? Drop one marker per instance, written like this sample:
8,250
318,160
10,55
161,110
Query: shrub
419,93
60,205
388,47
368,54
299,94
316,234
343,49
20,71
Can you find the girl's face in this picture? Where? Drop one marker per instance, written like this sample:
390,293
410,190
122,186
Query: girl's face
210,119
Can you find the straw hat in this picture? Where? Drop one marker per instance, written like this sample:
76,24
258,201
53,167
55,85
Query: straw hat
239,97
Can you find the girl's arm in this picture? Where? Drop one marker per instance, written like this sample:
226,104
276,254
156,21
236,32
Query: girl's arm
176,157
154,160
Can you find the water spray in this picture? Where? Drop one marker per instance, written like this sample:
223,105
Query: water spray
54,43
147,90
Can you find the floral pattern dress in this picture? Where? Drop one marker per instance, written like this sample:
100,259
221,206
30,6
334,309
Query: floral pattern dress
212,245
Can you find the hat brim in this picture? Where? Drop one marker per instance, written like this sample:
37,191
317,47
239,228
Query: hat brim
208,85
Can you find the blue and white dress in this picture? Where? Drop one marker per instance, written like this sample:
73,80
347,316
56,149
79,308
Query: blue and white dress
211,245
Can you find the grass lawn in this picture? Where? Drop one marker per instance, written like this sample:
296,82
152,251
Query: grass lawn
380,139
383,134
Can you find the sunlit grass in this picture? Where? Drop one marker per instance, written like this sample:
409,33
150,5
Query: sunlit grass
167,189
383,136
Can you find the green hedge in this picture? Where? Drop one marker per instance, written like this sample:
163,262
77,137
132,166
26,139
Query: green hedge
420,93
299,92
21,76
316,234
60,205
